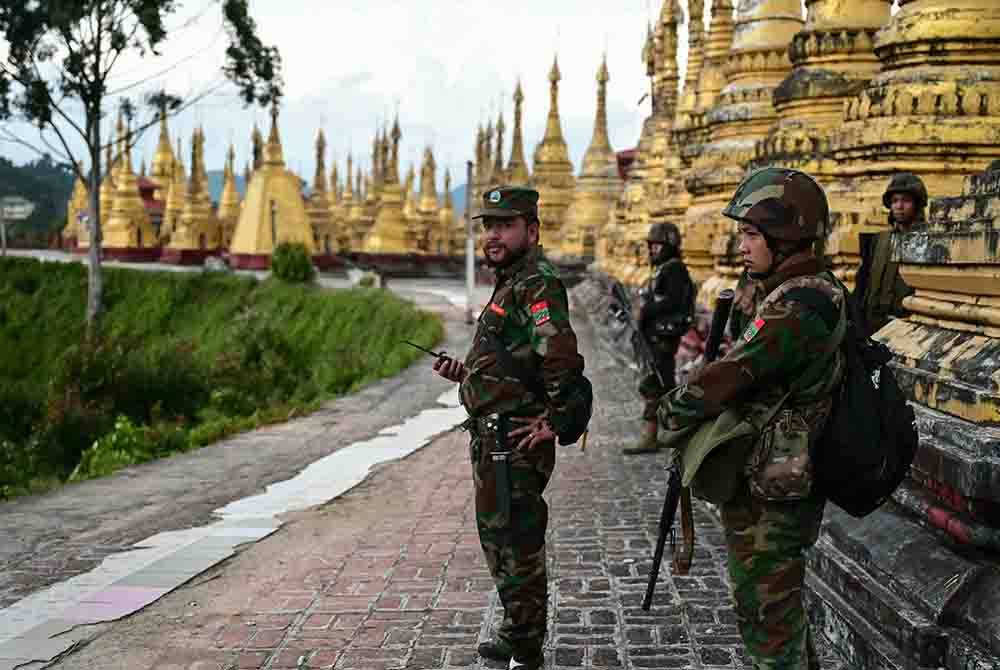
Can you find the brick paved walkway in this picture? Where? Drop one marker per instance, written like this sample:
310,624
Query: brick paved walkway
391,575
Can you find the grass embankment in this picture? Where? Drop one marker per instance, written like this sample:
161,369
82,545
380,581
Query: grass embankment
185,360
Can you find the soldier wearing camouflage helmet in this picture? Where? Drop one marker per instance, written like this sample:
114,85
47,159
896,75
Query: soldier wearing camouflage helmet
780,374
666,313
879,287
523,386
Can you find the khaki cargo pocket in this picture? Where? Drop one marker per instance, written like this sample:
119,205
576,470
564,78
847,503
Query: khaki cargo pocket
779,468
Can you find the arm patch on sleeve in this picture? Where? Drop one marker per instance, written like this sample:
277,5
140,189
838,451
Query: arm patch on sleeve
540,312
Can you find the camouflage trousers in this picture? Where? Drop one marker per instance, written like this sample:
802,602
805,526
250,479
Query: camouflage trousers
516,554
767,542
650,388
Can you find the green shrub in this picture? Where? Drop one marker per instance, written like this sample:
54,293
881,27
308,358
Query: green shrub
290,262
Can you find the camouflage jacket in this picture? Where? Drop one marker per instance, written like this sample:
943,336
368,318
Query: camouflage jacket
529,314
879,288
781,334
667,301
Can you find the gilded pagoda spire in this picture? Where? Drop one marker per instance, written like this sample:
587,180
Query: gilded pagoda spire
335,192
319,209
553,169
498,171
163,159
440,241
257,144
348,181
517,168
428,182
319,176
229,201
273,210
598,186
740,116
128,226
488,155
273,153
394,165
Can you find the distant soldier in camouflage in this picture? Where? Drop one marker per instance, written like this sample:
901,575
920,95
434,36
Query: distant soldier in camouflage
524,368
785,364
667,312
879,287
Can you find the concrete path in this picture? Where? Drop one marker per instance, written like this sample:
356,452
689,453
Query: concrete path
390,574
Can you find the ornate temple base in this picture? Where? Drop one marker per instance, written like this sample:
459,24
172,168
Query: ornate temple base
186,256
129,254
329,262
250,261
410,265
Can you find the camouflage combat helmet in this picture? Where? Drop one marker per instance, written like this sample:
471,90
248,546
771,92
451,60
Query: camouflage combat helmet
664,233
906,182
784,204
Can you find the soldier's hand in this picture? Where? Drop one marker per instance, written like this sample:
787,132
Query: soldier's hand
450,368
536,430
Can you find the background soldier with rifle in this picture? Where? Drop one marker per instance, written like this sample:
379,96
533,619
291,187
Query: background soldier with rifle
666,313
523,386
746,423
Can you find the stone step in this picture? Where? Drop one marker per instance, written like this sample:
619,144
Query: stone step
850,633
901,624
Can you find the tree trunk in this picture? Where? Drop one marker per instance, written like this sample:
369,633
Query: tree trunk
95,281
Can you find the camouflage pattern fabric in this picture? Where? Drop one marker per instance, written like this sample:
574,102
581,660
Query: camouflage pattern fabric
879,286
783,203
787,323
516,555
766,543
529,312
669,295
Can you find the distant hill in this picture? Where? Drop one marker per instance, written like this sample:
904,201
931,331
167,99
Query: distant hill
45,183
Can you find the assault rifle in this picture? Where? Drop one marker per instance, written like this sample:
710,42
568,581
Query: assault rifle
677,494
643,349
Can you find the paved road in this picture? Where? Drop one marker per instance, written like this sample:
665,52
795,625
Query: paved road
390,575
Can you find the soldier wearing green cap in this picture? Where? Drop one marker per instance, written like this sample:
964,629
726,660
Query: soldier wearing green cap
879,287
764,405
523,371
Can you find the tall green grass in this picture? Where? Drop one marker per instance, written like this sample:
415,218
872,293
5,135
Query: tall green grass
184,359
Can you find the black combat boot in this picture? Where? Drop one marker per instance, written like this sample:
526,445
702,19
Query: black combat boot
496,650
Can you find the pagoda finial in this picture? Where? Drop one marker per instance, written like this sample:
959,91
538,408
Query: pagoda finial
273,154
517,168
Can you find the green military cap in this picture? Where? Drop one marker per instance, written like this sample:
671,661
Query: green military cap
507,202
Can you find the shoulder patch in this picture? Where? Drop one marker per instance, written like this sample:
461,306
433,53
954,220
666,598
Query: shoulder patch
753,329
540,312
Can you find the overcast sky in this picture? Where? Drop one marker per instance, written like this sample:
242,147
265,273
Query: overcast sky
444,64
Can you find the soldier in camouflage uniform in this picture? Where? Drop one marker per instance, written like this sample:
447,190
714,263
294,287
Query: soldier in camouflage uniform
879,287
667,313
791,319
523,366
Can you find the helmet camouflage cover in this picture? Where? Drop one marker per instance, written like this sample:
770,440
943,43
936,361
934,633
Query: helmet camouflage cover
782,203
906,182
665,233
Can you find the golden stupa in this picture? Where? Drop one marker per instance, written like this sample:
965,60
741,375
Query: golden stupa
176,197
128,225
229,201
198,228
346,208
742,114
273,211
598,186
440,242
77,212
553,171
162,168
390,233
320,216
517,168
433,238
